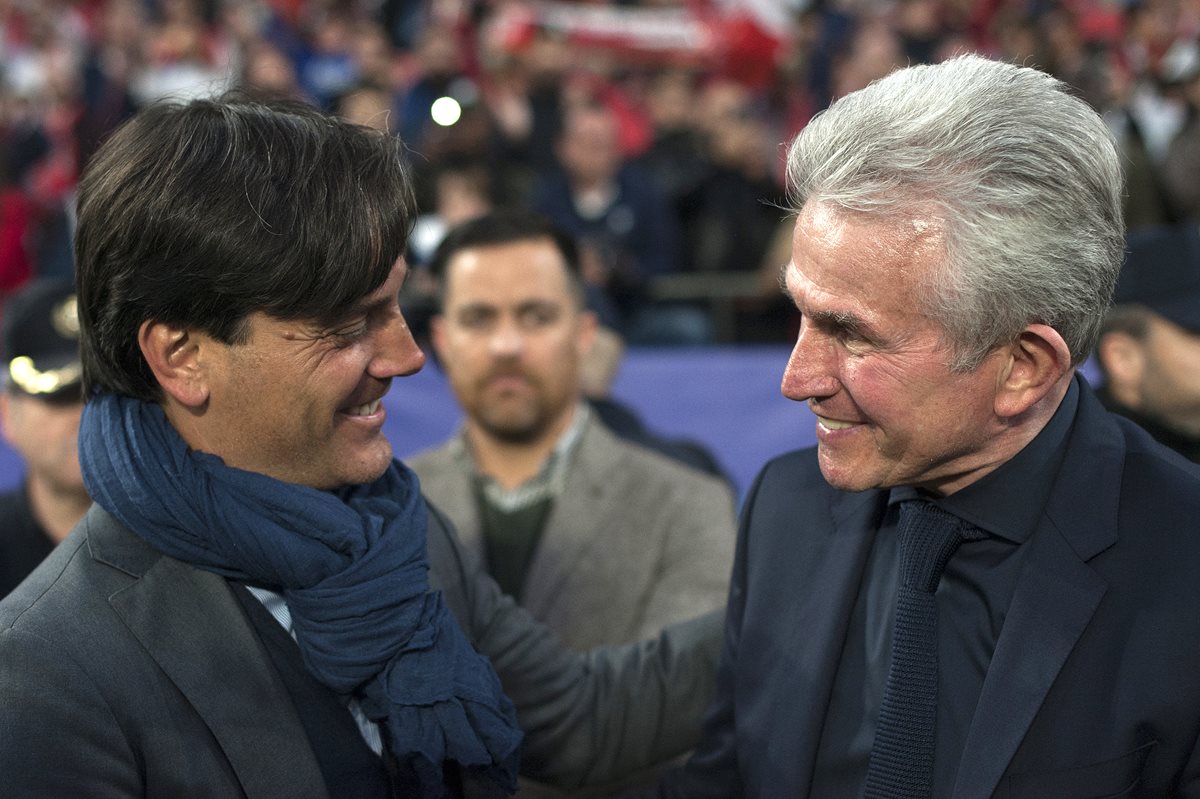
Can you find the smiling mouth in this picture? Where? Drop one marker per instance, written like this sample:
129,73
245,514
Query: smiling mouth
834,424
366,409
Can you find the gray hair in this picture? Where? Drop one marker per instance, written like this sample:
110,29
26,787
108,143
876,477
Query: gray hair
1024,176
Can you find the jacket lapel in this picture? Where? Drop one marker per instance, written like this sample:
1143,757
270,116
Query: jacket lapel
190,623
577,518
1054,601
833,572
447,484
1055,598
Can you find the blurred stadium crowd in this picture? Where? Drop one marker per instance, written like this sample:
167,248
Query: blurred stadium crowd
650,129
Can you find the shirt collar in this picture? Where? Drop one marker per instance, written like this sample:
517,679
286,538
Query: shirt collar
1009,501
550,477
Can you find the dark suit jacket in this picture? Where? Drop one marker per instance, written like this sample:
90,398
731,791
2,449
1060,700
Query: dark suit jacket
1094,685
126,673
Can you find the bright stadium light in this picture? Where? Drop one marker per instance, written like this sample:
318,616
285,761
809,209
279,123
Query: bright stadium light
445,111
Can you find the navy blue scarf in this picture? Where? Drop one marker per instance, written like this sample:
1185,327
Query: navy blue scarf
351,564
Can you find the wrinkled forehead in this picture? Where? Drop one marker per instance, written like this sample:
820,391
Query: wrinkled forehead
851,262
899,242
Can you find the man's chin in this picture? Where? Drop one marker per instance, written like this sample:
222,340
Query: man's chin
518,436
368,468
842,476
513,429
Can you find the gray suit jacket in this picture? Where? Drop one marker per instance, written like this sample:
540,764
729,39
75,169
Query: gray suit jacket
127,673
635,541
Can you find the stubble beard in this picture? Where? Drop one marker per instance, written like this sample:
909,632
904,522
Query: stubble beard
515,428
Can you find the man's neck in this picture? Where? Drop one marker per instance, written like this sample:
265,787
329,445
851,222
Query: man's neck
56,509
1009,440
511,463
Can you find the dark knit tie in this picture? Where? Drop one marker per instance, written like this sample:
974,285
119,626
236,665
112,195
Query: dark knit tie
902,756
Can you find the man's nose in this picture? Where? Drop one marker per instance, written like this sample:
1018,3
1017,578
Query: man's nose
397,353
811,370
506,339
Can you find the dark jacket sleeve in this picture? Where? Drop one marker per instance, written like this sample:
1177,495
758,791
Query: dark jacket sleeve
57,732
588,718
712,770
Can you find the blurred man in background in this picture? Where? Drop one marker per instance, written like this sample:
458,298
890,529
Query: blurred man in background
39,415
603,540
1149,350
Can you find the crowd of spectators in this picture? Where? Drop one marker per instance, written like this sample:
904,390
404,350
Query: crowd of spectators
650,129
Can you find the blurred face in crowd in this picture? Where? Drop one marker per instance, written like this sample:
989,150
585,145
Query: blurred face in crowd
122,23
46,435
267,68
511,338
372,54
1157,374
873,367
301,402
671,102
367,106
589,149
439,52
875,51
461,196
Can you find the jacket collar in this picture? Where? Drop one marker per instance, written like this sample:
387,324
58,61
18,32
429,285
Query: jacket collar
189,622
1055,598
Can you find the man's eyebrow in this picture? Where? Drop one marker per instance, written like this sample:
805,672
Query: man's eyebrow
538,302
364,305
475,306
844,321
368,305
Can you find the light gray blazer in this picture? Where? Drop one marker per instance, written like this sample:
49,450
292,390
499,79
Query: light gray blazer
126,673
636,541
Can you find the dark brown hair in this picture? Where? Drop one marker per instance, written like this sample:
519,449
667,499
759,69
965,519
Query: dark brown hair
200,213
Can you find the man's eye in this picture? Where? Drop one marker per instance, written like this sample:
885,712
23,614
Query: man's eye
846,334
348,335
538,317
473,320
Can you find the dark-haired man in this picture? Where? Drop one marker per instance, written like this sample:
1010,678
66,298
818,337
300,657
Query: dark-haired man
251,607
39,417
603,540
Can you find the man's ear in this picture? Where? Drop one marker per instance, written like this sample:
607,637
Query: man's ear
589,323
173,355
437,336
599,365
1123,361
1036,363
